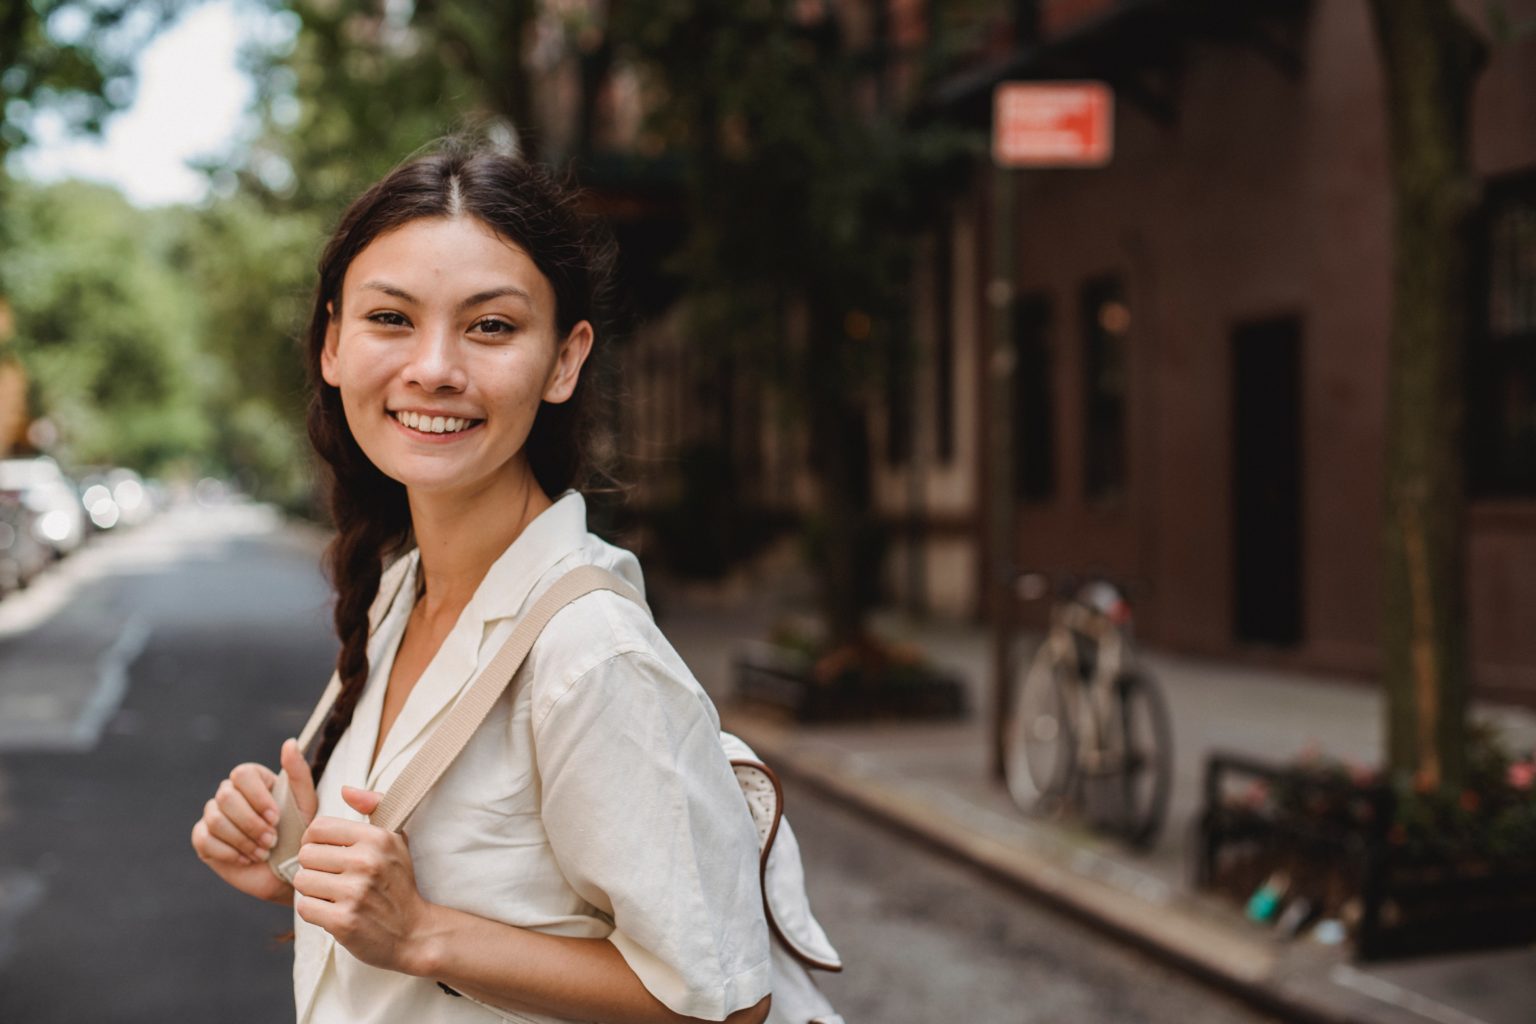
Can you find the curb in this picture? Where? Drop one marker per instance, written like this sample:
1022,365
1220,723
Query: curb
1248,969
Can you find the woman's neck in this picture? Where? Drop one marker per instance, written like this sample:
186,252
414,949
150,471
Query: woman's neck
460,536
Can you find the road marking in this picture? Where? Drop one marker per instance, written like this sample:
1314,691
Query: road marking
83,732
111,683
1385,991
19,893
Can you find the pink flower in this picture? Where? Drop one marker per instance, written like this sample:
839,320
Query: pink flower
1256,795
1522,774
1361,775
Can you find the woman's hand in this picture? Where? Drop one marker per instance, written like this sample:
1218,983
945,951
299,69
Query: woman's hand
357,881
235,834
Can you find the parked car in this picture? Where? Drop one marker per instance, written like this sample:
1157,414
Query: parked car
51,496
22,555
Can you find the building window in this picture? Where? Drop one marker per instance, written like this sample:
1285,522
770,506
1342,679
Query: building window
1034,439
1106,380
944,347
899,392
1501,407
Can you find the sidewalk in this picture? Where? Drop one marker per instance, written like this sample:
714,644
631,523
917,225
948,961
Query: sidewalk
932,783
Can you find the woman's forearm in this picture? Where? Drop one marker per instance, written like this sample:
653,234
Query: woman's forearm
530,971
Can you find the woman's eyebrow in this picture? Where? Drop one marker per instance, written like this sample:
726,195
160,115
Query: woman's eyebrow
474,300
495,293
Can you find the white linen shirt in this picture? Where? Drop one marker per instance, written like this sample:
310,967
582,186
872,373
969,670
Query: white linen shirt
594,801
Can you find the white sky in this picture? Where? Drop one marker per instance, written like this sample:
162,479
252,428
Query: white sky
190,101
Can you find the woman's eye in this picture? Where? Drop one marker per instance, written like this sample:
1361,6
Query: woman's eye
388,319
490,325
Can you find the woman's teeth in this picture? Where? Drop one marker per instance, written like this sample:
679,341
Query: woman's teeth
434,424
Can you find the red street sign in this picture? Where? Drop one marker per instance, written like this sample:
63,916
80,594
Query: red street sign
1052,124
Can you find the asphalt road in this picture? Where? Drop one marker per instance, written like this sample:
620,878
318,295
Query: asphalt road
134,679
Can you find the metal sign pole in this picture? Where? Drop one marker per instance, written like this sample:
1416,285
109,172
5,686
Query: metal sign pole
1000,502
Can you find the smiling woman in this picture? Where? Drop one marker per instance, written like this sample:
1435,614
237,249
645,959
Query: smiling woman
587,855
479,348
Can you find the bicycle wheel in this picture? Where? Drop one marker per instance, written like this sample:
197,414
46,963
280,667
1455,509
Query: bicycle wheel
1040,749
1146,769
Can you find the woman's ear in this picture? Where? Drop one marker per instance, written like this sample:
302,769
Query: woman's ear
328,361
570,358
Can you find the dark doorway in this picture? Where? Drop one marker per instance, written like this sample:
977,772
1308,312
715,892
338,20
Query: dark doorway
1266,481
1034,414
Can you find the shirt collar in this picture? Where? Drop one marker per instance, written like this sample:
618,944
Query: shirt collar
555,533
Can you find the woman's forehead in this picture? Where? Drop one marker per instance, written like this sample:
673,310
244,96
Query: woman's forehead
445,255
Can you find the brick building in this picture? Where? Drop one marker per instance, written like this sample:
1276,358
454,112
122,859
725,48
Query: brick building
1200,334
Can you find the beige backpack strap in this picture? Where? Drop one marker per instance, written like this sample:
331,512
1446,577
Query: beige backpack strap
448,739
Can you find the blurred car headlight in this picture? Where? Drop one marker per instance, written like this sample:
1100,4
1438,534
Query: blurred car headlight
54,527
129,495
95,495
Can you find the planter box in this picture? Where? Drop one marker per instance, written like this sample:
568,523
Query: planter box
774,677
1342,857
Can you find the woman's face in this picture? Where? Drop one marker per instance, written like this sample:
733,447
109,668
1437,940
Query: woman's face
443,348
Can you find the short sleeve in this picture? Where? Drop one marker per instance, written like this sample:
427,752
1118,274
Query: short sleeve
648,824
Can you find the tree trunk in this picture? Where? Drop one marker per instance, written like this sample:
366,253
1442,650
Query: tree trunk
1430,60
844,539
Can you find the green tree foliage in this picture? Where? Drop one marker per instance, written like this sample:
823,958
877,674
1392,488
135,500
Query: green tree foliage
71,58
366,84
252,271
805,190
105,328
165,339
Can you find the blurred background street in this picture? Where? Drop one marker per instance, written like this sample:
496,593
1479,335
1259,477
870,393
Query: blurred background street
1088,447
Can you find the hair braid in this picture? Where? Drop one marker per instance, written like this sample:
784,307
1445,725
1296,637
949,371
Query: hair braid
372,523
355,559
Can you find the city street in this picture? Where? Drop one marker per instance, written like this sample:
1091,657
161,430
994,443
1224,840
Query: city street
136,674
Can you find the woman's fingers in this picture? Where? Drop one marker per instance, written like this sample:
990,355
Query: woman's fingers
212,848
221,828
254,781
323,885
300,782
323,857
363,801
237,808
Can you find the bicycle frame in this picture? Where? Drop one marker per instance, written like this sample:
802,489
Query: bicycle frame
1102,746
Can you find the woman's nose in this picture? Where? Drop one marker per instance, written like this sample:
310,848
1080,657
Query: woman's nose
436,363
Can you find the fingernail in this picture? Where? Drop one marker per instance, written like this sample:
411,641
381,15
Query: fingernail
263,854
246,860
271,816
268,839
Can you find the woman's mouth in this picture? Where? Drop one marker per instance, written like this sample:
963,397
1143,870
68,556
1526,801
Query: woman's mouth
423,424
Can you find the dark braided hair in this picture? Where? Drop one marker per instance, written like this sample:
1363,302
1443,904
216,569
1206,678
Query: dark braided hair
523,203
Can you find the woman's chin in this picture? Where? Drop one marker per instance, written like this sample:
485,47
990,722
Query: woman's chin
442,483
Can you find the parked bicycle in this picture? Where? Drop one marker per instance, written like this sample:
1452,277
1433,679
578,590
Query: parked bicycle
1088,728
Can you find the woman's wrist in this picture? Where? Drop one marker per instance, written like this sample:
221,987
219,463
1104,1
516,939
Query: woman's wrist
422,954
